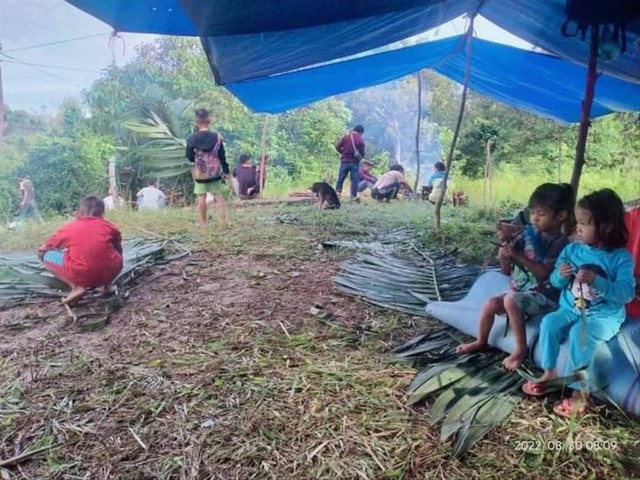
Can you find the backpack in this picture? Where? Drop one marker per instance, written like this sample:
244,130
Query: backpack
613,15
207,165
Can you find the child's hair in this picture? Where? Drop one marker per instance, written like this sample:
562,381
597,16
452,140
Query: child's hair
90,207
151,182
557,197
202,115
607,214
396,167
244,158
358,128
439,166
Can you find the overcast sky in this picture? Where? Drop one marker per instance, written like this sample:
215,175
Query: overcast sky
25,23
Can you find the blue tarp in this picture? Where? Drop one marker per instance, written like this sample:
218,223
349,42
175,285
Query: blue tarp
254,47
246,39
534,82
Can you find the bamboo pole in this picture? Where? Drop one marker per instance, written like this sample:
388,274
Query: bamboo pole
415,185
263,155
463,102
585,121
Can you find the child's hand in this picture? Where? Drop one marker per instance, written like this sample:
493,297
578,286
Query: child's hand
566,270
504,252
585,276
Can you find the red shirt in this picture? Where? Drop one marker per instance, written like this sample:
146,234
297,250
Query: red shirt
345,147
632,220
93,255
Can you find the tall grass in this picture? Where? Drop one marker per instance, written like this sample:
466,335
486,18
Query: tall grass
511,185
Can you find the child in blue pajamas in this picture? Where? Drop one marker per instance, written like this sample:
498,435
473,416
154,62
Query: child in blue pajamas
595,274
528,259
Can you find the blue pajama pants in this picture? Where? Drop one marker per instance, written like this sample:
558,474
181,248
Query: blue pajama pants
563,323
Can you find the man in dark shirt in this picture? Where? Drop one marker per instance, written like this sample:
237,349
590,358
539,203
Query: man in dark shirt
351,150
204,140
247,177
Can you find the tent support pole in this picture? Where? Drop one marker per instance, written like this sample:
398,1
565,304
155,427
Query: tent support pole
463,103
415,186
585,121
263,155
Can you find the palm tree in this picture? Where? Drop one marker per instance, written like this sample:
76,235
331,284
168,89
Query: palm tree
161,131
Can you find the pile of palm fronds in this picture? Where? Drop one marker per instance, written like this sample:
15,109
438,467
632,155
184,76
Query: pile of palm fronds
471,393
392,272
22,275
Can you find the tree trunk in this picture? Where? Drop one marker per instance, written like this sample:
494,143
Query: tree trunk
585,121
463,102
415,185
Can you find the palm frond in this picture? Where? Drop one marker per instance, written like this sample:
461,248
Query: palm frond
22,275
163,152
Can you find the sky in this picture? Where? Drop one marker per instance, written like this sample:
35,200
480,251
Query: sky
27,23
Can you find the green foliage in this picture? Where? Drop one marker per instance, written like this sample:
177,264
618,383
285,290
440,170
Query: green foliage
170,77
63,171
12,163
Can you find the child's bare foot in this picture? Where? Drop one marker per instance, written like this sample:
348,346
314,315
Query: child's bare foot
74,295
471,347
513,361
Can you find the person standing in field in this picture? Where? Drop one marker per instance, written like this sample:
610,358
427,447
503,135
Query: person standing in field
351,150
205,150
28,205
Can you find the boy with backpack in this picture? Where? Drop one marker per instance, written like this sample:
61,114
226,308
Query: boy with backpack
206,151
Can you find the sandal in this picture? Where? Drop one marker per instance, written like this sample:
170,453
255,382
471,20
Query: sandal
535,389
567,409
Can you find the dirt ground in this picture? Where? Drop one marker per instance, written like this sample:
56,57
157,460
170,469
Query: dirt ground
245,363
200,374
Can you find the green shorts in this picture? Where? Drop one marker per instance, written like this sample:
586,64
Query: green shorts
211,187
534,303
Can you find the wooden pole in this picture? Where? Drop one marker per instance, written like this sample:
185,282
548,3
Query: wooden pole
463,102
585,121
415,185
559,154
486,172
2,112
263,156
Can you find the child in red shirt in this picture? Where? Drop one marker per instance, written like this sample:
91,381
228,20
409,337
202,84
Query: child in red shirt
84,253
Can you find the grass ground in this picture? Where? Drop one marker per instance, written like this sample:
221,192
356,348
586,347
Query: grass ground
215,368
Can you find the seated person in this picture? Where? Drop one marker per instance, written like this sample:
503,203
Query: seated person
151,197
86,252
366,179
389,184
247,176
435,184
113,201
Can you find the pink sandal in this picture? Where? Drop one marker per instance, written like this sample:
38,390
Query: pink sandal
567,409
535,389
